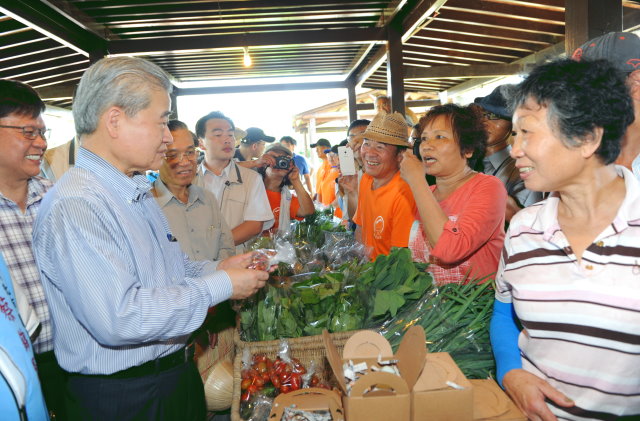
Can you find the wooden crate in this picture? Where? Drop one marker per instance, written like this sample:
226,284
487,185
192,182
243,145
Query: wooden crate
306,349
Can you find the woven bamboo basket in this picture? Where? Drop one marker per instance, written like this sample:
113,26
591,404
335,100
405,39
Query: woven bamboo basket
306,349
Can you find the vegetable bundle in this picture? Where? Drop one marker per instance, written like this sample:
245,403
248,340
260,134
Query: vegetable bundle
303,307
352,297
455,318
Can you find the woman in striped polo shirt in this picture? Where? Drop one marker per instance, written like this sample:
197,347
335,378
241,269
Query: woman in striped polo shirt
570,267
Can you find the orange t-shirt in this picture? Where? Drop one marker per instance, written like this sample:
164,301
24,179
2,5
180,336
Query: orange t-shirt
327,187
320,174
274,201
385,215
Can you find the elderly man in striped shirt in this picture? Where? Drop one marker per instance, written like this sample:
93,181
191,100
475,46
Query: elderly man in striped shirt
123,297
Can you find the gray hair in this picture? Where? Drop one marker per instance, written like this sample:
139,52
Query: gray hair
125,82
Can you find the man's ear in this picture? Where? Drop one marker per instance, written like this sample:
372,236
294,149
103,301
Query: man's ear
201,144
112,119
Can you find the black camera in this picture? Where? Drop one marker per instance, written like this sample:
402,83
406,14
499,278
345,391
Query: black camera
282,162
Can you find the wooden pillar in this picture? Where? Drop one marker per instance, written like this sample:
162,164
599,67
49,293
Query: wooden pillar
395,70
588,19
351,99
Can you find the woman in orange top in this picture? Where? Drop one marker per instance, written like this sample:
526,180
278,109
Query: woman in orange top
460,221
277,180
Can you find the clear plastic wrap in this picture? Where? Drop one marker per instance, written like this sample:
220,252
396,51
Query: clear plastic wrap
456,319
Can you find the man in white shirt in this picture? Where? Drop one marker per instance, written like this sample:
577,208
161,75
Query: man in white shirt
240,191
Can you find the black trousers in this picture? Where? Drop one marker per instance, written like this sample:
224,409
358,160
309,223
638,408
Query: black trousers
53,380
173,394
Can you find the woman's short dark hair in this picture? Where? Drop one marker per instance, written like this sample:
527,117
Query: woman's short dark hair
19,98
467,126
581,96
202,122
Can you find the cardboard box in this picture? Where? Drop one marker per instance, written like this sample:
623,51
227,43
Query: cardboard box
434,399
378,395
311,399
490,403
423,380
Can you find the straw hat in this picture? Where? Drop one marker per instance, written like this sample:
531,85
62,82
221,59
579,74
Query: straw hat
388,128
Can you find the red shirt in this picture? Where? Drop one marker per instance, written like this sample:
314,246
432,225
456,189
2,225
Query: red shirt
274,201
471,240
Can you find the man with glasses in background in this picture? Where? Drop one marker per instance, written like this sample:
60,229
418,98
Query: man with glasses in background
193,213
23,141
497,160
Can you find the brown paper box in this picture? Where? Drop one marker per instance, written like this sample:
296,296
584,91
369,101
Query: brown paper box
490,403
430,397
392,400
433,399
310,399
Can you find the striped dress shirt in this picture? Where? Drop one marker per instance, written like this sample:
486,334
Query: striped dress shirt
120,290
15,245
581,319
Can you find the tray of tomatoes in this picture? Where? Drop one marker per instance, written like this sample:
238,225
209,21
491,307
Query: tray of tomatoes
272,377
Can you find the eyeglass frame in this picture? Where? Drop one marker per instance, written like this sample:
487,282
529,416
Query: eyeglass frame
180,155
44,133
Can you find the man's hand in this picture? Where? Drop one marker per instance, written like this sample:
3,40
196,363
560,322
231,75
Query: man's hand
529,391
266,160
246,282
241,261
349,183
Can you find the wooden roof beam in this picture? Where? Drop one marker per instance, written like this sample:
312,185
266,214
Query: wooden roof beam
408,22
474,71
321,36
48,20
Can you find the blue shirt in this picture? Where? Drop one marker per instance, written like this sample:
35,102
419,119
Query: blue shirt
19,384
301,163
120,290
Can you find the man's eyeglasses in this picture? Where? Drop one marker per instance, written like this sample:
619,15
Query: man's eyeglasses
177,156
491,116
31,132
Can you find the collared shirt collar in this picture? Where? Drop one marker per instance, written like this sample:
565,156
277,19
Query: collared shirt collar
232,176
224,173
36,189
628,211
131,189
498,157
164,195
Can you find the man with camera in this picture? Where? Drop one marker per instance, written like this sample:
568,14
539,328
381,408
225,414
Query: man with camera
299,161
277,180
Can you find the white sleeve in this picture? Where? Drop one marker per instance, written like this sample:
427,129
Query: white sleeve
258,208
26,311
